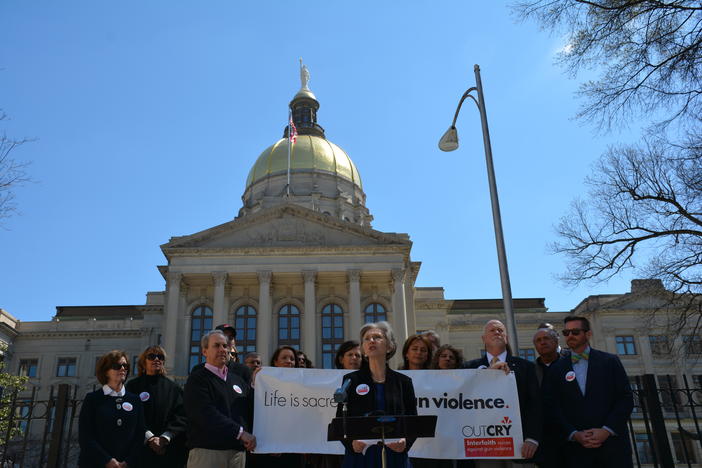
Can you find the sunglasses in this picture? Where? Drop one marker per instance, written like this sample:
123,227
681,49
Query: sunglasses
154,356
119,366
574,331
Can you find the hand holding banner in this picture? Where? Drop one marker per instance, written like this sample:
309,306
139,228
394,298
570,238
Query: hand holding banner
478,412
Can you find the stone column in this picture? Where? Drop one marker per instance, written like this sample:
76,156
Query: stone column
169,326
184,363
355,317
309,322
409,301
399,308
265,316
644,346
219,314
183,352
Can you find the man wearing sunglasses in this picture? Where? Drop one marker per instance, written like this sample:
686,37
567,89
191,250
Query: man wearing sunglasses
590,399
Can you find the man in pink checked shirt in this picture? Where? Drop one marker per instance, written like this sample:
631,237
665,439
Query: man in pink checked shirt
218,405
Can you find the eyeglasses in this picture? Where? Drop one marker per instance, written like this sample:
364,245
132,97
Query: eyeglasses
154,356
119,366
373,338
574,331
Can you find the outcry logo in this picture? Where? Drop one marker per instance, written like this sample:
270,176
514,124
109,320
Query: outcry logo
506,420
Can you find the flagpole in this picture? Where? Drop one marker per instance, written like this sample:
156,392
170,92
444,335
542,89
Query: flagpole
287,187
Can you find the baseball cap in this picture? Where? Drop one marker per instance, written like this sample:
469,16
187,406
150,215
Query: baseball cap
225,327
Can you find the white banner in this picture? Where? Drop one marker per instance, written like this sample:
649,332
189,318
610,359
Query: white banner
478,412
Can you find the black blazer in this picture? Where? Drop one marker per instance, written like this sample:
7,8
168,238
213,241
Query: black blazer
108,427
216,410
399,396
530,402
608,400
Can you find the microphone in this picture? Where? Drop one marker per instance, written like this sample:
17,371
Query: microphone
342,393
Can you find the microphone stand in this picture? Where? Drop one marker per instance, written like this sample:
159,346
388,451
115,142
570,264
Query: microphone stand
344,412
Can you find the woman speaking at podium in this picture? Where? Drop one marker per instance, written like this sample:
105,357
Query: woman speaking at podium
377,389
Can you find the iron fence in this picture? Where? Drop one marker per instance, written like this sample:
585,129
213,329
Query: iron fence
664,427
49,431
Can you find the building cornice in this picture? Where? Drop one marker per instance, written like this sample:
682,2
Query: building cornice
54,334
285,251
276,213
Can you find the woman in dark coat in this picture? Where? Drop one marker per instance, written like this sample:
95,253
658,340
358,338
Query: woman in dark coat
164,415
111,422
376,387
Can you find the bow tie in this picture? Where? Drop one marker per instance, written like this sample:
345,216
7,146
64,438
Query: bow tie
575,357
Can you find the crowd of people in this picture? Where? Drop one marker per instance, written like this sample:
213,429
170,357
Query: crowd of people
574,403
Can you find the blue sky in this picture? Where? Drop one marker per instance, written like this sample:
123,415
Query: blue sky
148,116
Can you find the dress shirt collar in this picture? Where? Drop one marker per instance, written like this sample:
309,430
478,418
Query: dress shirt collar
502,356
109,392
221,373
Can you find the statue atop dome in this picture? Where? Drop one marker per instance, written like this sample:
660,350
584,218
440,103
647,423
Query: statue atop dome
304,76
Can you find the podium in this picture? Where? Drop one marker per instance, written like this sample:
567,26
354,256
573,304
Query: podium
381,427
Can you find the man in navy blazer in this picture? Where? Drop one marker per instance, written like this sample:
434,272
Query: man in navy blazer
590,399
498,356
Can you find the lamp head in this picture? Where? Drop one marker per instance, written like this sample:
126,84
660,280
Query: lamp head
449,141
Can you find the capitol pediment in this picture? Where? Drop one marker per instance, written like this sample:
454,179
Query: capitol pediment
286,226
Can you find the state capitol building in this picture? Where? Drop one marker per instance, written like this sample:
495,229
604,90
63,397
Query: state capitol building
302,265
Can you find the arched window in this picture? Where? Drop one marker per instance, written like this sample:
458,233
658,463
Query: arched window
289,326
332,333
375,313
245,323
201,323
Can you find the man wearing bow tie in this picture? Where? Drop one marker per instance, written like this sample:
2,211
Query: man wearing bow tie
590,399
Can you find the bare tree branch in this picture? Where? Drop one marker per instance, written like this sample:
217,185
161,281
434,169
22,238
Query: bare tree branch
648,53
13,174
643,213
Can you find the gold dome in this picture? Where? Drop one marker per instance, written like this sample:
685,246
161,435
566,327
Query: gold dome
311,153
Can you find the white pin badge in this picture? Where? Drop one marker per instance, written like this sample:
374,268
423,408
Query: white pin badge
126,406
237,389
362,389
570,376
144,396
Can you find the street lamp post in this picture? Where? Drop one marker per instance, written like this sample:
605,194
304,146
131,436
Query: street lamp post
449,142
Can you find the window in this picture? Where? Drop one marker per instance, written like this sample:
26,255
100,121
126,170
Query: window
289,326
693,344
22,415
201,323
634,390
659,344
683,449
28,367
643,448
375,313
332,333
625,345
245,323
527,353
66,367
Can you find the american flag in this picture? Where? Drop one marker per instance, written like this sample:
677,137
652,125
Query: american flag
292,130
